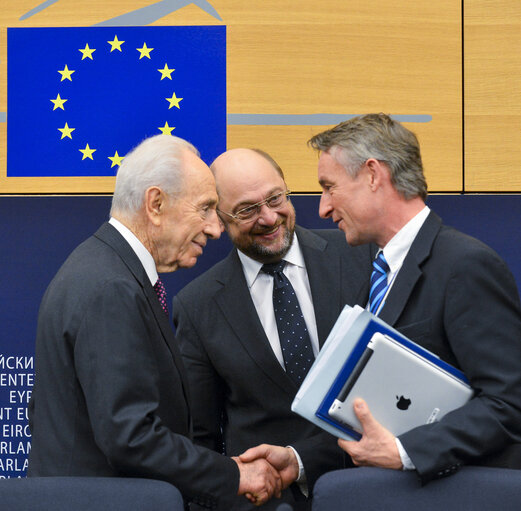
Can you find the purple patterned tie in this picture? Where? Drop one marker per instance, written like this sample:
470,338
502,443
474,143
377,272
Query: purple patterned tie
160,290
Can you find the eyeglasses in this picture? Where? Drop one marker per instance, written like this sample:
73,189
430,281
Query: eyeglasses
250,212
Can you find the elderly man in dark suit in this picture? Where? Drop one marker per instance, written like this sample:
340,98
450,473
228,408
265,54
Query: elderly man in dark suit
111,393
242,377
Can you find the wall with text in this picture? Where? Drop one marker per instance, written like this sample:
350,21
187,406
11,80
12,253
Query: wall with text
38,233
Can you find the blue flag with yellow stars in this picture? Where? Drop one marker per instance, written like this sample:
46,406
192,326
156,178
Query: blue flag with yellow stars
80,98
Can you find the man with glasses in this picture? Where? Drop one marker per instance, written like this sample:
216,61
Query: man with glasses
244,366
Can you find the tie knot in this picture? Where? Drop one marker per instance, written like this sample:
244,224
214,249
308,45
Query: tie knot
273,268
380,264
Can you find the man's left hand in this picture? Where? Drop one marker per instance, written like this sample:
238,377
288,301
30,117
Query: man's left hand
377,447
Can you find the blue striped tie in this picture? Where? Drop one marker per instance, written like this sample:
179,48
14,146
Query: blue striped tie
378,282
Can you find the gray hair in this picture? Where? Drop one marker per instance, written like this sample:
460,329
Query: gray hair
154,162
377,136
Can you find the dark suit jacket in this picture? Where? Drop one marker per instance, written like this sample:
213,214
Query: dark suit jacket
235,379
110,396
456,297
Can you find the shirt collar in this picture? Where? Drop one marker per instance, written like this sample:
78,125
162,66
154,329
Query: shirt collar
144,256
396,250
251,267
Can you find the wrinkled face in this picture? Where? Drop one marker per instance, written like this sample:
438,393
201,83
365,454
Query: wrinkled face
347,200
245,178
188,220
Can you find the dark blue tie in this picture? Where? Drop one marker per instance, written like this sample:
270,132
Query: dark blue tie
293,333
378,282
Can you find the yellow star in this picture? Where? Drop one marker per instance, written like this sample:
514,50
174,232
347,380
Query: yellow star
66,131
166,129
87,52
115,44
87,152
58,102
145,52
174,101
166,72
66,74
116,159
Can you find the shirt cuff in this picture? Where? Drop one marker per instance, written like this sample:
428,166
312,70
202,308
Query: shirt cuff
301,479
406,461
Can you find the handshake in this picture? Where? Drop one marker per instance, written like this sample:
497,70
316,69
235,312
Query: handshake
265,471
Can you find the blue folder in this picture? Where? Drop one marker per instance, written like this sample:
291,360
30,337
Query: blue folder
339,356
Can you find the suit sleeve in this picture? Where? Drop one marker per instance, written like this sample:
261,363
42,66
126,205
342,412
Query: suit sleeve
482,321
119,373
205,383
320,454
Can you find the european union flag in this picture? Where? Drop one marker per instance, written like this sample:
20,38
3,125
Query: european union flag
80,98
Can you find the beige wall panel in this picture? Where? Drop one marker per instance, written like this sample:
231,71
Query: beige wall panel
288,145
305,57
348,61
492,95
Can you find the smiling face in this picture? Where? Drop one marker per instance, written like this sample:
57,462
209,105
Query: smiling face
186,221
347,200
244,178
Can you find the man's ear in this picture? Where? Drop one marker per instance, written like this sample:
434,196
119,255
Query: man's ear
154,204
378,173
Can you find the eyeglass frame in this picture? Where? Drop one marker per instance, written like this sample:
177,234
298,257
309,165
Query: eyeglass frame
258,206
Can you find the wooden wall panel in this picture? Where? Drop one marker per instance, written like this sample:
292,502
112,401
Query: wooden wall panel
302,58
492,95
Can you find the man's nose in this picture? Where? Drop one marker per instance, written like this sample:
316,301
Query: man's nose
214,226
267,216
324,208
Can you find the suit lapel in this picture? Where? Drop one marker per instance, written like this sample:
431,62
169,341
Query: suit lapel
109,235
324,280
235,302
411,270
363,294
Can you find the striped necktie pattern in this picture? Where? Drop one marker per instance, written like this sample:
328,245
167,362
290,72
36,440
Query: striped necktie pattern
378,282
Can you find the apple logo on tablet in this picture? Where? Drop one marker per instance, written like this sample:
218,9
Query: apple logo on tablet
403,403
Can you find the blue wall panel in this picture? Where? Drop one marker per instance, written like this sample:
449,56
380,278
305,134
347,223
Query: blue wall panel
37,234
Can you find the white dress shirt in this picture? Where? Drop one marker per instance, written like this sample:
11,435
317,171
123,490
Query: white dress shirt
260,285
398,247
395,252
144,256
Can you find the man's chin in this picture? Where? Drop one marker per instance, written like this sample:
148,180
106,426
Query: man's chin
352,240
269,245
188,262
267,251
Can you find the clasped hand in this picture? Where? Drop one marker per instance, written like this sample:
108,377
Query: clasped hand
265,471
